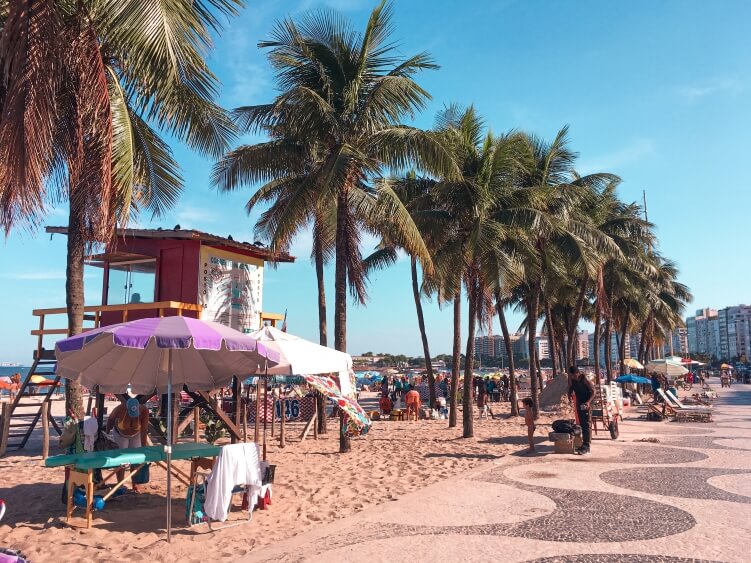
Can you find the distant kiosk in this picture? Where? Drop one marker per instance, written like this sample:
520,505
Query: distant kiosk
152,273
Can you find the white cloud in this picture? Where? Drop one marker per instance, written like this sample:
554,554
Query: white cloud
711,87
635,151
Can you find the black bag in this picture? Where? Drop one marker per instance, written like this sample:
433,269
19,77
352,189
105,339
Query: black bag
566,427
142,476
104,443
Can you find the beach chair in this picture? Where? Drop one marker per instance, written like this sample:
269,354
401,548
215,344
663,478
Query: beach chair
686,413
671,400
214,487
679,404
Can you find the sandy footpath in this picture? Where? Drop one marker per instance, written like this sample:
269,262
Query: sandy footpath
313,484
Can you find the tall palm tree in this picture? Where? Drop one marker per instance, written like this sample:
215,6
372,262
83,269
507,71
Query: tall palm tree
87,88
346,93
566,241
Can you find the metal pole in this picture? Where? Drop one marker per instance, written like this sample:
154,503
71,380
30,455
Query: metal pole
265,407
168,447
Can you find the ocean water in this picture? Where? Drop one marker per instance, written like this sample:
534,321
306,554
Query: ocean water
10,370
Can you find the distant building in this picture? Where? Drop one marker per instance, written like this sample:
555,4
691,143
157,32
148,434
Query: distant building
699,330
493,346
582,345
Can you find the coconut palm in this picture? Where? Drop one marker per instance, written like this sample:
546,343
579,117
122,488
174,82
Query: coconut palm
87,88
344,92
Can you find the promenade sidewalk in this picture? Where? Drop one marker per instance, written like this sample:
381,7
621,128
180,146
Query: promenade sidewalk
684,498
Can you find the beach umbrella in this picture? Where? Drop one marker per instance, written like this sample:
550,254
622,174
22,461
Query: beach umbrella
157,353
666,367
633,363
726,366
631,378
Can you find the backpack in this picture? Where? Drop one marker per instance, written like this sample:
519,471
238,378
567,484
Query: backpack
200,496
566,427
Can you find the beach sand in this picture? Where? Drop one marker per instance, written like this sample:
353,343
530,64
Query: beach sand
313,484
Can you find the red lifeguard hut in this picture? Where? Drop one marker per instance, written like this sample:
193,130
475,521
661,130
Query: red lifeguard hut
150,273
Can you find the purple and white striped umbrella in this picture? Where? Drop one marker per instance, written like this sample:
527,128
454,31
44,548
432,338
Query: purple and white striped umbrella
149,354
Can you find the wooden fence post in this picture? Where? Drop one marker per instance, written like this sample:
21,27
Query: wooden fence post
45,429
4,427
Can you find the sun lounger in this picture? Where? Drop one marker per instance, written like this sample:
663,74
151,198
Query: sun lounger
674,400
83,465
671,400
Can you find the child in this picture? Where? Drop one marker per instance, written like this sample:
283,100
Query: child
530,415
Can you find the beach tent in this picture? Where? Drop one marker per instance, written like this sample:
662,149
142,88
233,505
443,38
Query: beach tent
667,367
157,353
292,355
633,363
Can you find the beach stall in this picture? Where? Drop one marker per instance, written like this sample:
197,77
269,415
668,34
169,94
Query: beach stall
148,273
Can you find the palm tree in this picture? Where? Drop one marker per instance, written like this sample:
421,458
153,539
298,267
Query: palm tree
88,85
566,242
485,213
346,92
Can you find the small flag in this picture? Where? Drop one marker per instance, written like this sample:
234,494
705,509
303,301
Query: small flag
284,322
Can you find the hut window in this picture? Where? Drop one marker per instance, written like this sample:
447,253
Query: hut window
131,282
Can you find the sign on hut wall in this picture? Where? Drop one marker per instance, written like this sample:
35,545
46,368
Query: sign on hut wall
231,289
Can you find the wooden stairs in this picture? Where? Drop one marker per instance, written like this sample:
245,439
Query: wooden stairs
26,409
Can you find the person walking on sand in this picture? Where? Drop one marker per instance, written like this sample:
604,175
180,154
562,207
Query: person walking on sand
583,391
530,416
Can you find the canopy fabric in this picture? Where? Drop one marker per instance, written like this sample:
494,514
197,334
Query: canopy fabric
631,378
633,363
204,355
292,355
726,366
357,422
666,367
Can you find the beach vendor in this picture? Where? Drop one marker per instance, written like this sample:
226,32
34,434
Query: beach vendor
129,424
583,391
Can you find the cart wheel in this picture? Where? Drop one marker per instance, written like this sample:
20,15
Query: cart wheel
613,427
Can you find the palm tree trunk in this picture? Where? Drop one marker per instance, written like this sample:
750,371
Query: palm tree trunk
551,339
74,298
467,414
423,334
510,354
574,324
457,352
608,350
340,296
532,306
596,344
624,333
322,332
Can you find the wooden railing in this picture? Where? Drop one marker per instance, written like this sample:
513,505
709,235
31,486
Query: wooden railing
94,313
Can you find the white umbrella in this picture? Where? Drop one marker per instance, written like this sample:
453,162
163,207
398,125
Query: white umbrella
666,367
292,355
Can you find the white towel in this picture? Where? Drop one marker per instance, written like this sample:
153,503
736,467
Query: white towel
237,464
90,430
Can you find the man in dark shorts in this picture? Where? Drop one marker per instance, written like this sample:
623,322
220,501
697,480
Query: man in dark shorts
583,390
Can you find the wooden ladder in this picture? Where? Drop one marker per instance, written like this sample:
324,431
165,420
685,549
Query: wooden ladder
25,411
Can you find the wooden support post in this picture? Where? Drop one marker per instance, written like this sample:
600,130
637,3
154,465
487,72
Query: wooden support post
175,416
258,410
273,413
245,421
265,416
45,430
315,418
4,427
283,417
196,423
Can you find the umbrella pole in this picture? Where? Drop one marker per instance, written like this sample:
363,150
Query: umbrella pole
168,447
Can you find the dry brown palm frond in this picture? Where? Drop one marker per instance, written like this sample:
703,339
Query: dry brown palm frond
29,49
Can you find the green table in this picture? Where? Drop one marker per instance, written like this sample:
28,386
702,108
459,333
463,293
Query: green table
82,466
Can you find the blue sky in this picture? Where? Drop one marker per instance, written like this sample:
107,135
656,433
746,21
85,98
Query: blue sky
656,92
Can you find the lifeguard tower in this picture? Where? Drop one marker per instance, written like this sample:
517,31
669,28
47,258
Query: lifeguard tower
152,273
